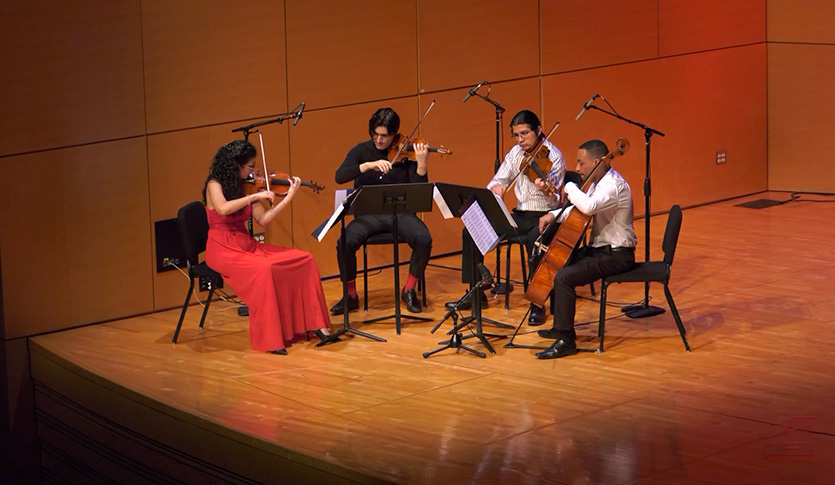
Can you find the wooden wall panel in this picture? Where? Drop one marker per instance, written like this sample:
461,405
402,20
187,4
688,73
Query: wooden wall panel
801,117
212,62
464,43
69,75
709,24
702,102
809,21
350,52
578,34
36,277
81,255
178,165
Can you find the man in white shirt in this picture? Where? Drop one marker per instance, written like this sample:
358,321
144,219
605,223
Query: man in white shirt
532,194
611,249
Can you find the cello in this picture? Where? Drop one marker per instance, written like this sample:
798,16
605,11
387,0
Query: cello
568,236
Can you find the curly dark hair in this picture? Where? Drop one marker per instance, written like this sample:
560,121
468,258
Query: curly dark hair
226,167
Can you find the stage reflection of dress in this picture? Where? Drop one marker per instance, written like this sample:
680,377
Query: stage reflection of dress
280,285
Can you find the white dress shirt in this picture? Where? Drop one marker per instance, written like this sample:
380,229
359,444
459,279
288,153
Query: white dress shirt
528,195
610,202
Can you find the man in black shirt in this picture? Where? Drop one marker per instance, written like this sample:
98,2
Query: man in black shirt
367,164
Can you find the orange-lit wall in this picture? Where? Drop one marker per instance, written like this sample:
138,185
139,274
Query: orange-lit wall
113,110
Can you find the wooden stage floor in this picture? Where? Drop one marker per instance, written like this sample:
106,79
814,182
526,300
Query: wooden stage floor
750,404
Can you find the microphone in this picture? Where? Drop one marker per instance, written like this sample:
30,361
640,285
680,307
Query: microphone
586,106
486,276
472,92
298,114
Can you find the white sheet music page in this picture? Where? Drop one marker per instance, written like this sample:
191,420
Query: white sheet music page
441,203
480,229
510,219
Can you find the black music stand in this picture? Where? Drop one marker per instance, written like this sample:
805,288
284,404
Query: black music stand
394,199
318,233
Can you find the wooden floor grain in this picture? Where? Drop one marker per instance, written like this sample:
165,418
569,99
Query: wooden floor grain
754,291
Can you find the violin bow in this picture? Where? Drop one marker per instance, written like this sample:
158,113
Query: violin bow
266,174
403,145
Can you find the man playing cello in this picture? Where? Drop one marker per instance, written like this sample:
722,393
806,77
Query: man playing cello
611,248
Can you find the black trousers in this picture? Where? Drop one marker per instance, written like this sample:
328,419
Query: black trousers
409,227
527,224
588,265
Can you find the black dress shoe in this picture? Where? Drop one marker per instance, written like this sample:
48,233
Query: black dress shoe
537,316
551,333
339,307
468,302
412,302
279,352
560,348
322,336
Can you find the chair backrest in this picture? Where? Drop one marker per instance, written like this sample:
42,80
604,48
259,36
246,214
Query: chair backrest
671,234
194,229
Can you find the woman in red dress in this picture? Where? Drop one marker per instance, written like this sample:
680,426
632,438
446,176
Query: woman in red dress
281,286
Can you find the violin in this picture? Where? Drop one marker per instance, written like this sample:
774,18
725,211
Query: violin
401,145
279,184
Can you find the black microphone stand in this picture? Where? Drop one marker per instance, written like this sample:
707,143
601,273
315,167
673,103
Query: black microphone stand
644,309
243,310
456,337
247,129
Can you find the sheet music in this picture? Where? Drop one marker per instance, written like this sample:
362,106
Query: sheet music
340,203
480,229
339,195
441,203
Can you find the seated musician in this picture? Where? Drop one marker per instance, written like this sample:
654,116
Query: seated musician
367,163
532,200
611,248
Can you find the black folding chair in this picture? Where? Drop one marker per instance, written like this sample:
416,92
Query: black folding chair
194,229
650,271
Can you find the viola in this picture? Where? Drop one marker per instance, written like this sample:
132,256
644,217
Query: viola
568,236
279,184
401,145
537,165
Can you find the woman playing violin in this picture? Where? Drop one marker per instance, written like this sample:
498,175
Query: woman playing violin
280,285
533,200
367,163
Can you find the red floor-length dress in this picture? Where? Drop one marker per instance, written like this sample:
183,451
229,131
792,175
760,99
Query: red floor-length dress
281,286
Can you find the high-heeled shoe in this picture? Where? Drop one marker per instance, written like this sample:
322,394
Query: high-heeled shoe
323,336
279,352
